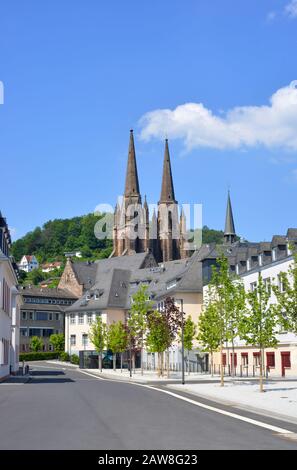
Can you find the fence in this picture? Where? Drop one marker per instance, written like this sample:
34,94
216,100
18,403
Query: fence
238,371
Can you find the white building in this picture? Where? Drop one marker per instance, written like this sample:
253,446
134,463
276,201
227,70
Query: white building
10,301
28,263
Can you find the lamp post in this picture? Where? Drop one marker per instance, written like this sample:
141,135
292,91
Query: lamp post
182,339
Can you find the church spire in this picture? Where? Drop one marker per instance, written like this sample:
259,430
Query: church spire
132,184
167,191
229,233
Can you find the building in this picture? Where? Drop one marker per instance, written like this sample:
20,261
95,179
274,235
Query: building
48,267
165,237
247,260
10,301
28,263
42,314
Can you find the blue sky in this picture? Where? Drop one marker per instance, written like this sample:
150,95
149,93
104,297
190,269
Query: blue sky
79,74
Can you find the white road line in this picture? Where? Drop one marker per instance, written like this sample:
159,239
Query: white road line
255,422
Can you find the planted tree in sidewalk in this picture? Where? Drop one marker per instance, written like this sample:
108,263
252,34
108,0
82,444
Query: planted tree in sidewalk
173,319
286,294
140,306
98,336
117,341
227,293
209,330
260,323
158,337
190,331
36,344
57,340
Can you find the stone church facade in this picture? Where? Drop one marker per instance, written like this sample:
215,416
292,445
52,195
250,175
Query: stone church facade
165,234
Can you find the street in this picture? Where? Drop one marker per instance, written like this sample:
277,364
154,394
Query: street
62,408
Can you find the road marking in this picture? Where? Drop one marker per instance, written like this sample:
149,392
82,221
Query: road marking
255,422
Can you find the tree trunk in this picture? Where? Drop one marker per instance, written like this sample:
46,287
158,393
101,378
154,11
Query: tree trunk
121,362
167,360
100,361
189,363
162,363
211,363
114,358
159,365
222,370
261,371
141,359
232,360
133,362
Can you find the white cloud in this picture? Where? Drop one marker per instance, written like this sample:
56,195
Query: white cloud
291,9
271,126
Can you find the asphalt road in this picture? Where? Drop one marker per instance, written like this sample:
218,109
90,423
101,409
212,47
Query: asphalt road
61,408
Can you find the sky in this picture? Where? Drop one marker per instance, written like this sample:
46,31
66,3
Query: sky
214,76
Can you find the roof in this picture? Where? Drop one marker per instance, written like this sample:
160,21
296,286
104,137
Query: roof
35,291
85,272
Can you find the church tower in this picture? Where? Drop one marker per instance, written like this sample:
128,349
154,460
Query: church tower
229,232
168,221
130,232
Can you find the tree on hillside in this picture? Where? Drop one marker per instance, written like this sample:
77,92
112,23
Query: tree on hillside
98,336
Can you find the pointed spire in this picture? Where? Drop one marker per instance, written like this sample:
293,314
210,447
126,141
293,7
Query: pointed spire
167,191
132,184
229,233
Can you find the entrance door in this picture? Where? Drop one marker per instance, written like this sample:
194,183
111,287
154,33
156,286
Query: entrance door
286,362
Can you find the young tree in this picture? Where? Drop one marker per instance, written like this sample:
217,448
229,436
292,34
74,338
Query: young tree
36,344
286,294
117,341
173,319
57,340
190,331
158,337
260,323
229,296
140,306
209,330
98,336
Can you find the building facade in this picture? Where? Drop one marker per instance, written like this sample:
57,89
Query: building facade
28,263
10,302
42,314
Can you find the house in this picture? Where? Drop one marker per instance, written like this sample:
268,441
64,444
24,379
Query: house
48,267
10,301
28,263
42,314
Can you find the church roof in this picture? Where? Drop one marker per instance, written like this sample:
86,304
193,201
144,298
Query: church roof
132,183
167,190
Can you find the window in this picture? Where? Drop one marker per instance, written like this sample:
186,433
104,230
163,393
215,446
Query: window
281,285
85,339
224,359
235,359
24,315
57,316
253,286
72,319
23,332
41,316
50,316
245,359
267,284
270,359
81,319
30,315
256,359
73,340
90,318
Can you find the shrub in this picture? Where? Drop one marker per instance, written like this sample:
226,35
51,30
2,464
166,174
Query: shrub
64,356
38,356
74,359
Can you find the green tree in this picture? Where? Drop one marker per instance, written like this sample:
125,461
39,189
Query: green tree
190,331
98,336
140,306
158,337
117,341
36,344
260,323
286,294
57,340
209,328
228,293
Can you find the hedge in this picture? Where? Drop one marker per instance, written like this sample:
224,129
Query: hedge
39,356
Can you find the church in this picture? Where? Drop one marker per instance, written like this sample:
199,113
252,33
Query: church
165,236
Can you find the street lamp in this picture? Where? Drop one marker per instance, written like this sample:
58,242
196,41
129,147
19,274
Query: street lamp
182,339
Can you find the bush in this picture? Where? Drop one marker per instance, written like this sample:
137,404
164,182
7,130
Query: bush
74,359
64,356
38,356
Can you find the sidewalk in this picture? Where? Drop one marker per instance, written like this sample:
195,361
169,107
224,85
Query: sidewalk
278,400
